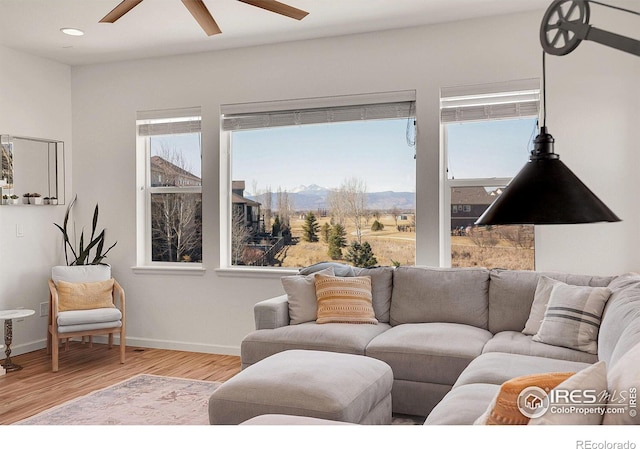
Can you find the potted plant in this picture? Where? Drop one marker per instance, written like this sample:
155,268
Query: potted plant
13,199
35,198
45,200
81,253
25,198
5,199
53,201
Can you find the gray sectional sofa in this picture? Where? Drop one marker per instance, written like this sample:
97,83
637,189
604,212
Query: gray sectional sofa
452,336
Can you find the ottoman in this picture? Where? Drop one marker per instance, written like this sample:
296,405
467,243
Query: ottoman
318,384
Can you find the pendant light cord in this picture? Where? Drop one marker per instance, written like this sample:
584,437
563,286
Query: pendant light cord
544,91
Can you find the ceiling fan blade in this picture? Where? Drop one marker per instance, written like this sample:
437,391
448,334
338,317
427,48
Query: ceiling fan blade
199,11
124,7
279,8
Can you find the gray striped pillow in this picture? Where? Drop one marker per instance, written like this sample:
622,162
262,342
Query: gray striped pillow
572,317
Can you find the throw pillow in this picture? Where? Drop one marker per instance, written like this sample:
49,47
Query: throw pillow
85,295
504,409
567,412
572,318
344,300
301,295
623,379
540,301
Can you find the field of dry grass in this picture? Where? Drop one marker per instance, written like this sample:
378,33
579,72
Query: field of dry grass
391,245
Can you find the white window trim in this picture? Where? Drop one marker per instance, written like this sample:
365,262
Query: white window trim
144,264
525,91
225,266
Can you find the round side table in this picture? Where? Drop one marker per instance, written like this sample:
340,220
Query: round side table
8,316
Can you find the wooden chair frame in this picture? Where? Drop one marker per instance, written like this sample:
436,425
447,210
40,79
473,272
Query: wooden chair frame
53,335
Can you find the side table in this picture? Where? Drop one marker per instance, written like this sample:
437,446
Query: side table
8,316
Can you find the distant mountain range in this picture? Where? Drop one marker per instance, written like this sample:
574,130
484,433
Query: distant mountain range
314,197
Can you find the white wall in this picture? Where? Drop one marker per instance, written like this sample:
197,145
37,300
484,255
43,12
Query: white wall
35,101
593,103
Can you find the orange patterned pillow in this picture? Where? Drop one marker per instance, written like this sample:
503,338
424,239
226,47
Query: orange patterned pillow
504,408
84,296
344,300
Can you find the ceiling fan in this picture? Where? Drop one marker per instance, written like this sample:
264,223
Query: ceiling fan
199,11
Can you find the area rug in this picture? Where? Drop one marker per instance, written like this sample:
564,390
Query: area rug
144,399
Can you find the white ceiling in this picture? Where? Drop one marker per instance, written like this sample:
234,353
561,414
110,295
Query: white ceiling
165,27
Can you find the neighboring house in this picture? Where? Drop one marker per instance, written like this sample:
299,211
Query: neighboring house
468,203
166,174
245,208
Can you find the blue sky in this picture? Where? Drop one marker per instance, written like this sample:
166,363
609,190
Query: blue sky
326,155
376,151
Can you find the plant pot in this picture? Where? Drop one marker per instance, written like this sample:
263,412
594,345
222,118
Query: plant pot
36,200
53,201
25,200
13,200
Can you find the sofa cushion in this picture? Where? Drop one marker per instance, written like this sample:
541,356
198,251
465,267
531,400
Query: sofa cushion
539,306
498,367
573,316
344,300
462,406
621,314
624,377
517,343
301,295
511,294
428,352
336,337
381,289
447,295
340,269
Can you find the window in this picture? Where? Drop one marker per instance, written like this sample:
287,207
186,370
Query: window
320,179
170,187
487,136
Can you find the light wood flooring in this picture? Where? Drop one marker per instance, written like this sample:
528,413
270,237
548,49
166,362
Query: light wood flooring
83,369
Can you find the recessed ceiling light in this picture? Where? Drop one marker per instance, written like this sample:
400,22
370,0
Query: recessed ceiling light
72,31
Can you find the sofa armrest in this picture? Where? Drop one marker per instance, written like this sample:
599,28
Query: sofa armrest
272,313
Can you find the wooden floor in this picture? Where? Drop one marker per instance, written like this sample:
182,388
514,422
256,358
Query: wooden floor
83,369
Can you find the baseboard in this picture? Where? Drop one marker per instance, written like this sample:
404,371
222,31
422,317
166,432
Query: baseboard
141,342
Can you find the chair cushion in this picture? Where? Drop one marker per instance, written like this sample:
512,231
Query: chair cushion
80,273
91,316
85,295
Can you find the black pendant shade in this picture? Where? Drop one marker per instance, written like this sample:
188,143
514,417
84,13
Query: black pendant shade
545,191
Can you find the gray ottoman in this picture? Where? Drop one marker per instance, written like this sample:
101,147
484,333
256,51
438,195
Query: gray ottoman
326,385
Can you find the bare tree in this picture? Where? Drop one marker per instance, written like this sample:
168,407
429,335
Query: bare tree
349,202
176,217
285,207
240,235
267,208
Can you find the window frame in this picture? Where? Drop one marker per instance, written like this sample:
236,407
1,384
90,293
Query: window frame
145,190
225,203
527,91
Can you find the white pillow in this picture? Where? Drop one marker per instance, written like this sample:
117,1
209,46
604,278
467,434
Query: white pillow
594,379
540,300
301,294
624,386
573,315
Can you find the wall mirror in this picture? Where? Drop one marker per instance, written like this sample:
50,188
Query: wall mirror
32,166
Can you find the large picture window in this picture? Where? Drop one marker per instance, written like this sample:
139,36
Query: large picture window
487,134
169,174
318,180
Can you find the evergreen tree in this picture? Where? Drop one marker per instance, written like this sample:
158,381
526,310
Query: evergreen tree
310,228
276,227
325,230
361,255
337,241
377,226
